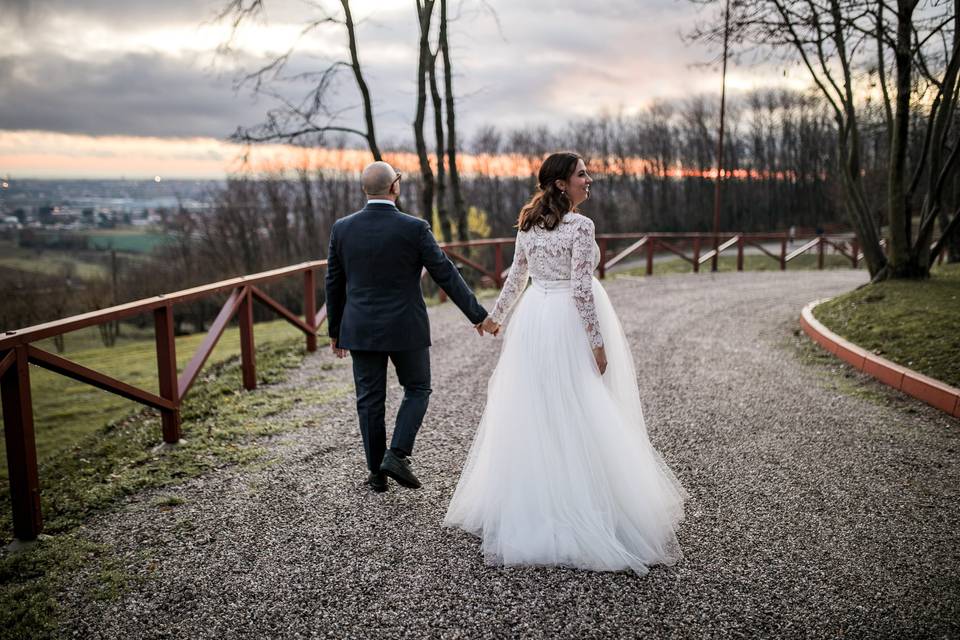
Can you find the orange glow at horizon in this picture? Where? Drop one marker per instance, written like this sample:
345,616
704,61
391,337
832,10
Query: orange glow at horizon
39,154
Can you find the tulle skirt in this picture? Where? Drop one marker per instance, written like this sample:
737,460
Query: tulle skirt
561,471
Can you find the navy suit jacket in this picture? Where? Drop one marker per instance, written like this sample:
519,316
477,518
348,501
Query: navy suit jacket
374,264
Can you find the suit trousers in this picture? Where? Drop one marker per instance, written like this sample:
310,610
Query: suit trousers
370,377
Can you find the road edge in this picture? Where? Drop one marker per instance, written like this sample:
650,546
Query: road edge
923,388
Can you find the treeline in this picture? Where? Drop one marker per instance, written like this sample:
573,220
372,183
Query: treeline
653,170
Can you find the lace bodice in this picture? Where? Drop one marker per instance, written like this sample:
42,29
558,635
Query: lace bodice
568,252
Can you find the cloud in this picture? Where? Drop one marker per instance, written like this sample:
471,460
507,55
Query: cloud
107,67
134,94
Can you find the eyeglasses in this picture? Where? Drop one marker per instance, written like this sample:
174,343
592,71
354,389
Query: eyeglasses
396,180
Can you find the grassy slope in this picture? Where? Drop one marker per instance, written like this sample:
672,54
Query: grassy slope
221,425
915,324
65,411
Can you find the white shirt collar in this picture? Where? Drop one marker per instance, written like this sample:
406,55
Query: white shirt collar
381,201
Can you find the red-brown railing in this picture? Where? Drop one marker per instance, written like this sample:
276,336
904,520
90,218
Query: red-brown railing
687,246
17,351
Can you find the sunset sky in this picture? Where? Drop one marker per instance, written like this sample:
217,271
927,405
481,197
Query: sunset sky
131,88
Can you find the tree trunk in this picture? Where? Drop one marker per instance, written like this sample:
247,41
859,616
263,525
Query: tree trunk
940,165
425,13
459,206
442,215
312,248
902,261
361,83
949,237
864,222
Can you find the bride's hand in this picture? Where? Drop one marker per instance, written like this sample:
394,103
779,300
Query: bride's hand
601,357
489,326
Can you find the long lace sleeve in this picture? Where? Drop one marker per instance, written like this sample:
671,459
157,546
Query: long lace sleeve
581,277
515,284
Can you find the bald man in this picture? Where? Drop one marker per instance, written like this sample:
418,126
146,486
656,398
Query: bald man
375,311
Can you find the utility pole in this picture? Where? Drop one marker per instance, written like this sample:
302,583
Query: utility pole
723,103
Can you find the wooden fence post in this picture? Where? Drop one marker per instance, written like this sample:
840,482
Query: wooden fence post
855,253
650,249
603,258
310,306
696,254
167,371
498,265
739,253
248,358
783,254
21,447
820,244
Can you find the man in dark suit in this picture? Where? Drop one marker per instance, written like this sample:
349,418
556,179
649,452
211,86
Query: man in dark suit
375,310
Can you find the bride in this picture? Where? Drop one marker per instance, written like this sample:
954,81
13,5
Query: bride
561,471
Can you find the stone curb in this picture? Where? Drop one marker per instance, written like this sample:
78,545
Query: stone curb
933,392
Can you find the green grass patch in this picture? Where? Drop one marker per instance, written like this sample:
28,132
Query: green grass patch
751,262
837,375
913,323
118,458
221,423
51,262
29,581
126,240
66,411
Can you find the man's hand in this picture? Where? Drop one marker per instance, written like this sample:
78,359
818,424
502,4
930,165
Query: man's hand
340,353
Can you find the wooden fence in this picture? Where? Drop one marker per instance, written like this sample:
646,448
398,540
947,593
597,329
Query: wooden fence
17,351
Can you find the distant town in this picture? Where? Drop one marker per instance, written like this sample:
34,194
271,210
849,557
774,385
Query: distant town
78,205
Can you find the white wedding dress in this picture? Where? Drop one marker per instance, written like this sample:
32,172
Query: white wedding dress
561,471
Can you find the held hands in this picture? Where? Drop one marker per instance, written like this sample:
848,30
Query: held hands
601,357
487,325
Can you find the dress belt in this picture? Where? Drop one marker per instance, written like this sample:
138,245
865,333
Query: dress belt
552,286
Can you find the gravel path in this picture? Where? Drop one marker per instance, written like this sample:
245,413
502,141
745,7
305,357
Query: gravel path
814,512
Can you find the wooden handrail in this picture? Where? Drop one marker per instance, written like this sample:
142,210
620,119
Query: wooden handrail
121,311
16,352
723,247
793,254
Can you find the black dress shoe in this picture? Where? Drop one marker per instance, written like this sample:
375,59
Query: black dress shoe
399,469
377,481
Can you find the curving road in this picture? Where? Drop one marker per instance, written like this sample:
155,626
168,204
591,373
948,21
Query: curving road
822,504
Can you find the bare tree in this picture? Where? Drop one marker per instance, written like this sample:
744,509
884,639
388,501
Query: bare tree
424,15
442,213
310,118
836,41
459,205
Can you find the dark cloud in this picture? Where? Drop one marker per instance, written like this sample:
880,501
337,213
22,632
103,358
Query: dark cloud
534,62
134,94
34,14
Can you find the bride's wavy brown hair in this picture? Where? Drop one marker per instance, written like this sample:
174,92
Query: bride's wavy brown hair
548,205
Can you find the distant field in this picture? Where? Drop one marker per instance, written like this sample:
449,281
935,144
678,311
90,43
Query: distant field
66,411
127,240
49,262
